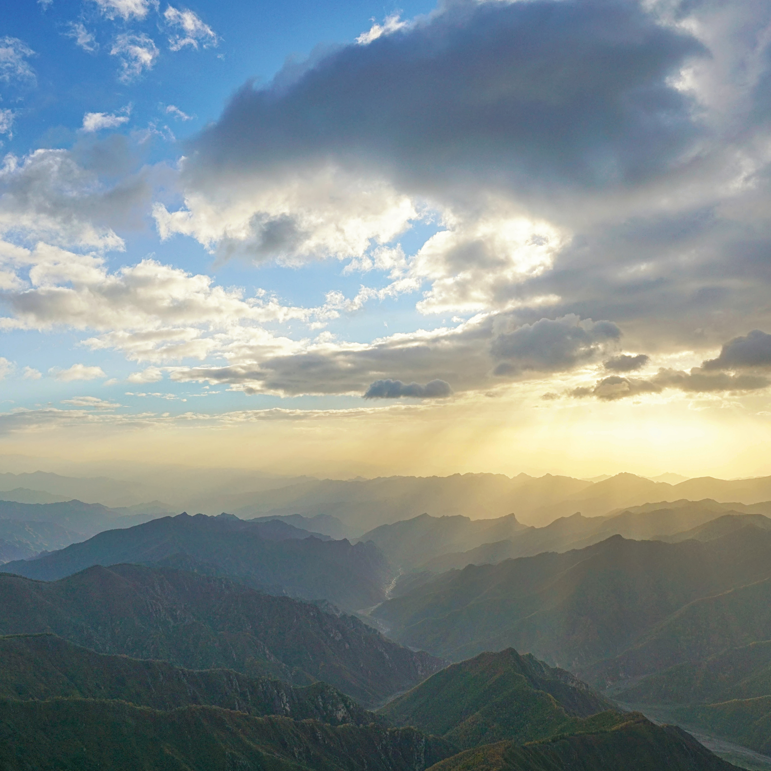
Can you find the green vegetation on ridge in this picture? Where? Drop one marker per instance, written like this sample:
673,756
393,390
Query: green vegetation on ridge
497,696
200,622
45,666
92,735
635,744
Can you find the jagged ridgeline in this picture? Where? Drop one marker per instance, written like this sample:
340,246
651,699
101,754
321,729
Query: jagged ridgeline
93,735
63,707
272,556
201,622
497,696
619,605
507,711
44,666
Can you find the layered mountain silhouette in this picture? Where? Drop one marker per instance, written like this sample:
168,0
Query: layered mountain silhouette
682,520
110,492
411,543
582,607
274,556
366,504
200,622
45,666
363,504
515,712
497,696
728,694
21,540
85,519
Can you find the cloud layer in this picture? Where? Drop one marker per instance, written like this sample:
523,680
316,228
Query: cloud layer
573,178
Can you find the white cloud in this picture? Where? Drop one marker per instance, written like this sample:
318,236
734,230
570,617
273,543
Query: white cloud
177,113
189,30
50,195
90,402
149,375
6,122
14,66
475,263
137,55
318,212
96,121
478,354
151,312
157,395
6,368
76,372
124,9
390,25
600,160
29,373
82,37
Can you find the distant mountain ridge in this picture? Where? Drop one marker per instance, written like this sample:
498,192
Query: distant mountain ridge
578,608
22,540
271,555
367,504
200,622
412,542
364,504
85,518
670,522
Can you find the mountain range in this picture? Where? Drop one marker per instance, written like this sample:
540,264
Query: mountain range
96,735
578,608
65,707
135,639
201,622
498,696
364,504
271,555
44,666
86,519
677,521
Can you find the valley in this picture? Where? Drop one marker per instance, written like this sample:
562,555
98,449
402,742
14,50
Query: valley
444,640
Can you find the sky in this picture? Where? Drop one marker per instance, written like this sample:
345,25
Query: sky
353,237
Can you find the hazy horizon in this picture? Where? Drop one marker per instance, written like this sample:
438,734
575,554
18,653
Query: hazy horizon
384,385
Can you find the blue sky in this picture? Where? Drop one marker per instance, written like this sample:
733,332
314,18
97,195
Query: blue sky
216,215
69,79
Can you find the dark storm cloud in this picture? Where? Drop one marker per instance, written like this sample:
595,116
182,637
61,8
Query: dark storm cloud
395,389
552,345
685,279
469,358
626,363
748,352
616,387
697,381
491,95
